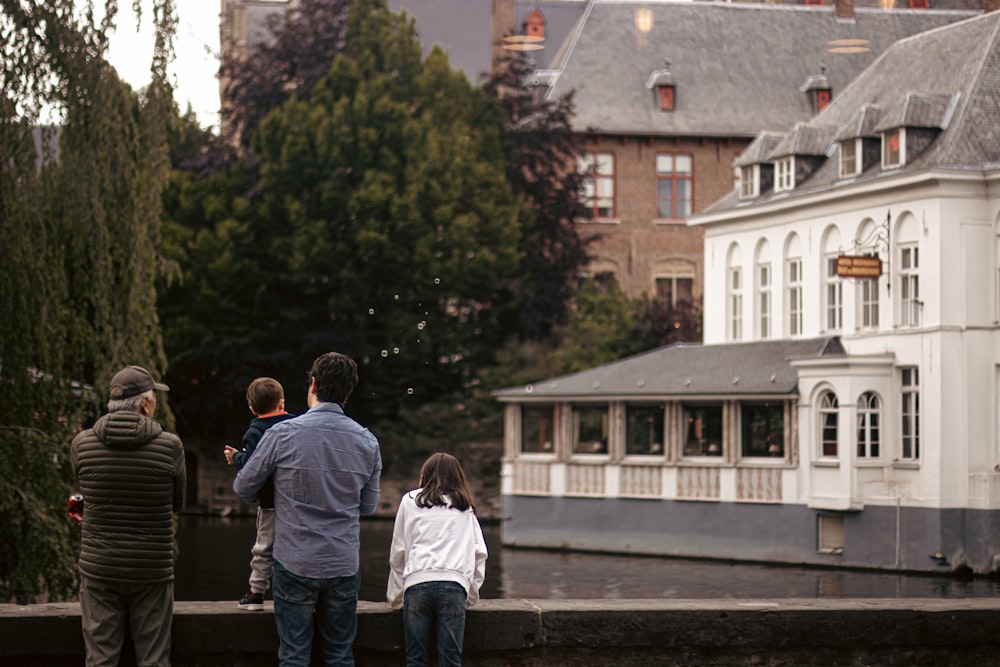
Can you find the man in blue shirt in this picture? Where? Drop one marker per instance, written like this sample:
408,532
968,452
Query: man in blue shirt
326,470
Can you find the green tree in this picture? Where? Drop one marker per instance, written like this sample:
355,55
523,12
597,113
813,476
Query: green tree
402,227
376,219
79,224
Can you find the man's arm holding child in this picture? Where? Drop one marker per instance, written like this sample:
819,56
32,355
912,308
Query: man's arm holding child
257,468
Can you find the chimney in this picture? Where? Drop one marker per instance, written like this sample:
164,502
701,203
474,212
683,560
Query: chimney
502,24
845,9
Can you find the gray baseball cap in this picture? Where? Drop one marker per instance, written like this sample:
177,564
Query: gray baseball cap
132,381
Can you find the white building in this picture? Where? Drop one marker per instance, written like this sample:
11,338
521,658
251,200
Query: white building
827,420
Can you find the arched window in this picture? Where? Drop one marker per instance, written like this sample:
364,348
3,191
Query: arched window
868,290
793,286
833,286
734,292
828,408
869,426
908,271
762,290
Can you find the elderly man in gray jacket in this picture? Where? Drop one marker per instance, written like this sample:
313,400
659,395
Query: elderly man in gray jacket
131,475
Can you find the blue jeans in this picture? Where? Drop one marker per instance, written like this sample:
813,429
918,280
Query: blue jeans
437,605
331,603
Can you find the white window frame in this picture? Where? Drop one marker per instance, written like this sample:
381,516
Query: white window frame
850,162
793,281
553,426
734,284
677,169
886,140
598,183
833,295
630,408
784,174
749,181
869,444
909,285
868,305
828,414
909,412
575,412
690,413
764,300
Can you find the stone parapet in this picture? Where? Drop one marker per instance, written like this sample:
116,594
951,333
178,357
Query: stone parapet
578,633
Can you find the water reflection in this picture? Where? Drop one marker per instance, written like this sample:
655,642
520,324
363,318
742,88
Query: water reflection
215,557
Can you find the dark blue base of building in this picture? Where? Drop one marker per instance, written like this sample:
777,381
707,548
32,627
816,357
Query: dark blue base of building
880,537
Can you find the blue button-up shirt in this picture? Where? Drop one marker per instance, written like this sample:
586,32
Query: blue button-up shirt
326,471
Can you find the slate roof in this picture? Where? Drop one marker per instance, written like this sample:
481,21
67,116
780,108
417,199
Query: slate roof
862,125
738,68
760,149
947,78
462,28
805,140
759,368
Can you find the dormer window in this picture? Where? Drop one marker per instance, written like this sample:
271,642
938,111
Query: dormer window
784,174
817,87
749,181
822,98
661,82
666,97
850,158
893,148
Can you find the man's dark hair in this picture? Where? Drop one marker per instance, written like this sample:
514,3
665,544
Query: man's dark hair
336,377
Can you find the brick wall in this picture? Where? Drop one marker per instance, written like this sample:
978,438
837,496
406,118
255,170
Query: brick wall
638,246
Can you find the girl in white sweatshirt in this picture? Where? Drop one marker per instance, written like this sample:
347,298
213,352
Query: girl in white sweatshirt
437,561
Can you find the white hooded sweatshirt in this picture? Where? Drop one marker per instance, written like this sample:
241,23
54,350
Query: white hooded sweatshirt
435,544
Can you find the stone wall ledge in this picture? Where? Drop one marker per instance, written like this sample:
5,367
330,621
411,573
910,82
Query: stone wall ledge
578,633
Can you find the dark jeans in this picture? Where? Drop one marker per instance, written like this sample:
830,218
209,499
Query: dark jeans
333,605
438,605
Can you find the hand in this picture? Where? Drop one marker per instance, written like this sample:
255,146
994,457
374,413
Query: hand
229,451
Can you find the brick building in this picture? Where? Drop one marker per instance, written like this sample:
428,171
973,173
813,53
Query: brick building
667,94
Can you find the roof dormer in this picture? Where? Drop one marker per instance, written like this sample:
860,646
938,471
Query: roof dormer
817,88
661,82
756,172
859,142
799,154
910,126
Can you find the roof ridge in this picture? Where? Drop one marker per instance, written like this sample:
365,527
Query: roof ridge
571,44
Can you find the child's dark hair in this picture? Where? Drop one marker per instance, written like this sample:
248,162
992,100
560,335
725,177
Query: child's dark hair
264,395
440,476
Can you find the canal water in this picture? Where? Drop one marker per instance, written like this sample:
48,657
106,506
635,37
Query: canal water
214,564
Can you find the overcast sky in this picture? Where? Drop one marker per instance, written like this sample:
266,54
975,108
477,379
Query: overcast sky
193,72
